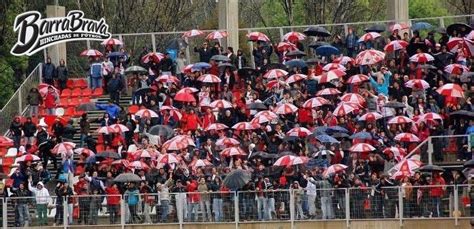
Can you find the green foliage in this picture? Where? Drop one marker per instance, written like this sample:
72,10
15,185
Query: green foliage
6,81
426,8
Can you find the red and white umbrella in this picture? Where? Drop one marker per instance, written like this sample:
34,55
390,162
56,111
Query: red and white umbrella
106,130
451,90
28,157
289,160
155,57
284,46
361,147
470,35
245,126
344,60
188,68
193,33
209,78
406,137
84,151
430,116
5,141
344,109
199,163
216,35
119,128
315,102
184,97
138,165
356,79
177,143
146,113
353,98
173,111
454,44
168,79
369,36
216,126
333,169
398,27
370,116
168,158
225,141
267,113
233,151
417,84
334,66
188,90
295,78
325,78
112,41
328,91
286,108
456,69
421,58
298,132
398,152
63,147
91,52
257,36
275,74
43,89
221,104
395,45
263,117
369,57
400,120
276,84
143,153
294,36
406,168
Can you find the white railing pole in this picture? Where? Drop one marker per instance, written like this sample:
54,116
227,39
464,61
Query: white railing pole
292,209
252,58
348,208
65,213
236,209
20,108
456,206
430,151
122,212
282,33
179,210
400,205
153,42
4,213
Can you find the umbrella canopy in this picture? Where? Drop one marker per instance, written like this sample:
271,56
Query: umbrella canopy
378,28
460,28
324,138
209,78
421,26
28,157
43,89
225,141
162,130
406,168
275,74
315,102
256,106
188,90
451,90
421,58
178,142
341,129
369,57
298,132
344,60
417,84
295,54
155,57
168,158
201,65
84,151
112,41
263,155
370,116
323,153
168,79
221,104
193,33
140,165
216,35
328,91
135,69
289,160
295,78
334,66
364,135
361,148
185,97
395,45
86,107
91,52
327,50
430,168
220,58
344,109
233,151
369,36
245,126
406,137
317,31
286,108
316,44
199,163
336,168
462,114
146,113
257,36
397,152
394,104
353,98
112,155
469,164
63,148
456,69
400,120
236,179
227,65
286,46
356,79
294,36
127,177
216,126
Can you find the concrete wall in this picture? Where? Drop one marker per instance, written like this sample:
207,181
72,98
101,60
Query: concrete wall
58,51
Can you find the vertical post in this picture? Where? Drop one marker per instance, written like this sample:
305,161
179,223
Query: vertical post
153,42
441,22
20,107
430,151
88,44
456,206
122,212
65,213
252,58
188,52
400,205
40,73
346,29
281,33
348,208
236,209
469,141
292,208
4,213
179,209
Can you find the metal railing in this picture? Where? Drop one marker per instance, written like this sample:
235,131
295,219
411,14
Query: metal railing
398,203
18,103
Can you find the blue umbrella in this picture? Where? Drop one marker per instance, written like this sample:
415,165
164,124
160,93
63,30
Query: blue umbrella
201,65
327,50
296,63
320,130
337,129
324,138
421,26
362,135
115,54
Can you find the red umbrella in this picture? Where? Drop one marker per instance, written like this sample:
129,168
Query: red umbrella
456,69
168,79
398,27
356,79
184,97
406,168
421,58
289,160
155,57
275,74
106,130
245,126
43,89
298,132
146,113
112,41
188,68
84,151
138,165
406,137
344,60
168,159
369,57
333,169
417,84
143,153
370,116
353,98
188,90
369,36
361,148
286,108
295,78
334,66
177,143
199,163
5,141
430,116
400,120
264,116
398,153
28,157
216,35
275,84
315,102
395,45
257,36
328,91
454,43
283,46
192,33
63,147
119,128
91,52
344,109
233,151
325,78
294,36
451,90
225,141
216,126
221,104
209,78
173,111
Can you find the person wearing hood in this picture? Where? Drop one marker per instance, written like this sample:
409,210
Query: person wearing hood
23,213
42,200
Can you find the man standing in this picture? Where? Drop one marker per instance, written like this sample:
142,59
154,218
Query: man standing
114,86
49,71
204,52
42,200
96,75
62,74
351,42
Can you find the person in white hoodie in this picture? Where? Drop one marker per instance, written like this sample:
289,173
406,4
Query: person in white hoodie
42,200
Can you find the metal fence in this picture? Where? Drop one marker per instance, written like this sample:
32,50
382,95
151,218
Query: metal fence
349,204
18,104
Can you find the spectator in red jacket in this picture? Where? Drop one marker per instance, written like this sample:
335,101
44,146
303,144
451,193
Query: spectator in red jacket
192,121
436,192
113,202
208,118
51,100
193,199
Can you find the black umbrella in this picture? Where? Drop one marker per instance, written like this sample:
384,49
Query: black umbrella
257,106
112,155
220,58
317,31
441,30
296,63
142,91
227,65
469,164
127,177
375,28
460,28
339,135
316,44
285,153
135,69
394,105
313,61
263,155
271,66
431,168
236,179
461,114
247,71
87,107
162,130
296,53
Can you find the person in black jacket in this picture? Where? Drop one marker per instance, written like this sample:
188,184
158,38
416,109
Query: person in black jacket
63,192
41,136
22,217
15,129
29,129
205,53
69,130
58,129
167,65
114,86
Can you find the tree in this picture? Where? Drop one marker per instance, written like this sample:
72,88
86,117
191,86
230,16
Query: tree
426,8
